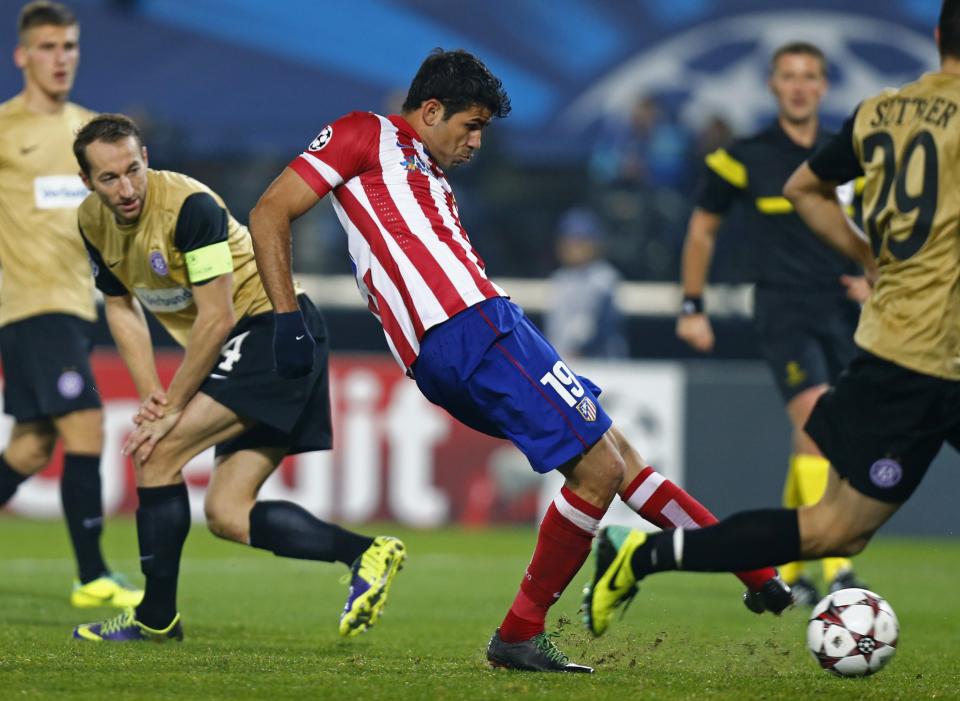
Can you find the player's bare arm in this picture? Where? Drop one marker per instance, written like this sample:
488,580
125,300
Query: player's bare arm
816,202
693,326
130,332
215,319
287,198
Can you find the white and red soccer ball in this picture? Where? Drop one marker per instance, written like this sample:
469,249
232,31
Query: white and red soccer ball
853,632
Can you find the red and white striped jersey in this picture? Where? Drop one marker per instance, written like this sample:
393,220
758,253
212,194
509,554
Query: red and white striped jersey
414,263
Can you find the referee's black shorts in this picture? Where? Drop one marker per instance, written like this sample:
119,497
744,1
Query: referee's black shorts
806,336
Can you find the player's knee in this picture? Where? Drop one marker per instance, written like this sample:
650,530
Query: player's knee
30,455
606,473
225,520
162,467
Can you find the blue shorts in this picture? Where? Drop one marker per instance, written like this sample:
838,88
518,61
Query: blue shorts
492,370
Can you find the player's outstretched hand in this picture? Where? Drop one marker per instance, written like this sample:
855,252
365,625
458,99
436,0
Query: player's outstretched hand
147,434
151,408
696,331
293,346
858,287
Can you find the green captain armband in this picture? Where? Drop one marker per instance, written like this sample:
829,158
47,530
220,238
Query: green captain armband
209,262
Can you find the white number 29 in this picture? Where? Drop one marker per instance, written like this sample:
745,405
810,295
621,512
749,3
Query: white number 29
564,383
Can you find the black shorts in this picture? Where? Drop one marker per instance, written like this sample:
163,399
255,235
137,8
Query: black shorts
46,367
806,336
294,414
882,425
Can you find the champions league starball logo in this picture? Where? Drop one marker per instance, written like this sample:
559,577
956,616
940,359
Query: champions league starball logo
721,67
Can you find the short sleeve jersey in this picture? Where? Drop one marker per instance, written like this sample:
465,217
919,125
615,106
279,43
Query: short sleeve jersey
177,243
415,265
906,142
39,195
751,173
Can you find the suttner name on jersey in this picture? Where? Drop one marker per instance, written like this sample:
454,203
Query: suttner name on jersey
783,251
906,141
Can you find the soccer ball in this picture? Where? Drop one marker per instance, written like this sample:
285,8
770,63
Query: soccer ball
853,633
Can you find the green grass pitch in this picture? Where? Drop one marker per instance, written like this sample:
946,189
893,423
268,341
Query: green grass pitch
260,627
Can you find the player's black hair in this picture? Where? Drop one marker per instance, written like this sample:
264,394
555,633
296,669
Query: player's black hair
108,128
949,26
799,47
42,13
458,80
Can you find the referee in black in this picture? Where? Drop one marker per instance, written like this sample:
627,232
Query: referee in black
807,298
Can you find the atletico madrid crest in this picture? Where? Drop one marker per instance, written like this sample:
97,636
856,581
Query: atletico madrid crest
587,409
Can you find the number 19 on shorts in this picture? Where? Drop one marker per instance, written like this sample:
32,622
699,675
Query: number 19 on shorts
564,383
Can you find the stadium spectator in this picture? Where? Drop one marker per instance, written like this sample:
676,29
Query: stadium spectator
582,318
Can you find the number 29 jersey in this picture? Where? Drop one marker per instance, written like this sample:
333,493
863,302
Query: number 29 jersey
906,141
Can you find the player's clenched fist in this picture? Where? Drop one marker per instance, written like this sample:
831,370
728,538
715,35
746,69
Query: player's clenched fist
696,331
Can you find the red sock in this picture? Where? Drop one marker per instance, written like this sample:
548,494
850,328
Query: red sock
664,504
562,546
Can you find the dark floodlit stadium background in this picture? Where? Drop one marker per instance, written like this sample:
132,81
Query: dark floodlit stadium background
228,91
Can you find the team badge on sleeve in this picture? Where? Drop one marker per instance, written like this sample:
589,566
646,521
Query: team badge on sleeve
323,138
587,409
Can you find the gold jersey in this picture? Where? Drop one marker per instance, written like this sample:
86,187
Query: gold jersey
45,267
908,142
144,257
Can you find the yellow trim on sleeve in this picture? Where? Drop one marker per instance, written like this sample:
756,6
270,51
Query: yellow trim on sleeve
774,205
728,168
209,262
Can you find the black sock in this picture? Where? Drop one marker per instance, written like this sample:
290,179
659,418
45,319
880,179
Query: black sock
288,530
83,510
745,541
163,521
10,479
656,555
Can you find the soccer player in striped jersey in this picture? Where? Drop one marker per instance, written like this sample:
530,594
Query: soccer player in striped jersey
456,333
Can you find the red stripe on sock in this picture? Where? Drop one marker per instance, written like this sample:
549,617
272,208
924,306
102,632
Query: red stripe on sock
580,504
637,481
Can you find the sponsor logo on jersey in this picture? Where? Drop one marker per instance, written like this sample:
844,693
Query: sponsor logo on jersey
886,473
70,384
158,264
412,163
59,191
587,409
323,138
170,299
